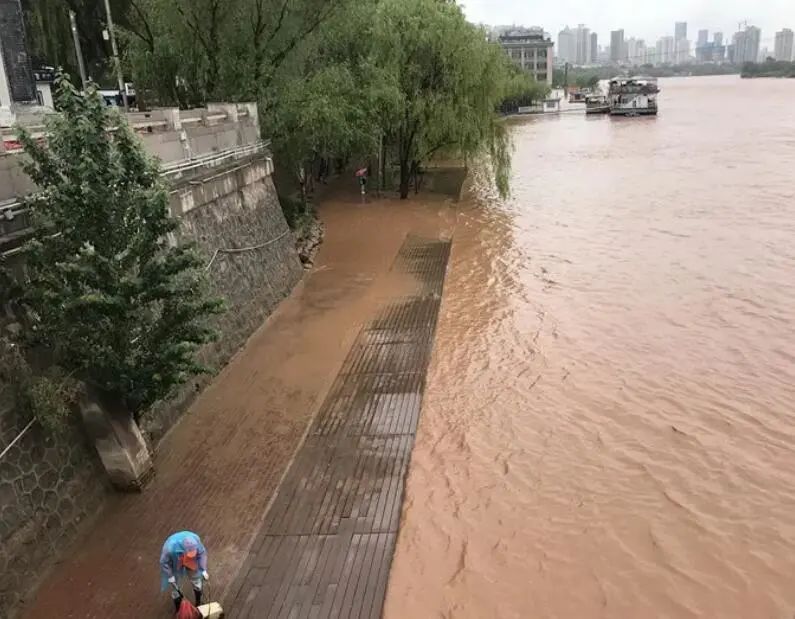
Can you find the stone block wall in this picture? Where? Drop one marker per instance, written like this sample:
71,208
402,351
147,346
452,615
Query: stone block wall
236,222
49,485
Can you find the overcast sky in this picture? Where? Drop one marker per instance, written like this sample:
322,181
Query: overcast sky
646,19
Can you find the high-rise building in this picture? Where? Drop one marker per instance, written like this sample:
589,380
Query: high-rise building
703,38
530,50
681,44
718,49
636,51
784,44
746,45
617,46
593,56
665,50
682,51
567,46
582,37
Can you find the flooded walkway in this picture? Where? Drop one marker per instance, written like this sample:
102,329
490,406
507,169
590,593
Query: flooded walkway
217,471
327,542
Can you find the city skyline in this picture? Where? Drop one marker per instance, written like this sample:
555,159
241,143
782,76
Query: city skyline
578,46
649,24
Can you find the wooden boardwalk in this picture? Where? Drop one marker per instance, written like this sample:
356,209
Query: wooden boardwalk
326,545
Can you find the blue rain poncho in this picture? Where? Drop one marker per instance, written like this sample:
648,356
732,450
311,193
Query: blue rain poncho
175,548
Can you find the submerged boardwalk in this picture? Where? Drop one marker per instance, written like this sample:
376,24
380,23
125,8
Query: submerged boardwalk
327,542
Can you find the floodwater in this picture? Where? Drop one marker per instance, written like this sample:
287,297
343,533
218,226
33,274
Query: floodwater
609,426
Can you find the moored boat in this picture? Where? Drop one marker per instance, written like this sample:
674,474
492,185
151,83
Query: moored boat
633,96
596,104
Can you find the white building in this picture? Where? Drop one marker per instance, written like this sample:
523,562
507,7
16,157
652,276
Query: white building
530,50
582,37
636,51
746,45
567,46
682,51
784,45
665,50
618,48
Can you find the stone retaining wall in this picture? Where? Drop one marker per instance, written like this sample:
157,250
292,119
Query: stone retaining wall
50,485
235,209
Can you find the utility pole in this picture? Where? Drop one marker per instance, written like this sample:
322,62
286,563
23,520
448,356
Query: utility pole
380,185
116,61
566,79
78,50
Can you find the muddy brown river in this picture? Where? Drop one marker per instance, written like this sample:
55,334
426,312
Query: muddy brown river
609,426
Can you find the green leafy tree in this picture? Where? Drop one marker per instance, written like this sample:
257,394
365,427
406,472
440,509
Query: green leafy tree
335,79
50,36
187,52
109,294
522,89
450,80
337,109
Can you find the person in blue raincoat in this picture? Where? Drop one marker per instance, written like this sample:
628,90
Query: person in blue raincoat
183,555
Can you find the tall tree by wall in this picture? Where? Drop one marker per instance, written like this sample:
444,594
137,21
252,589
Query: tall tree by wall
108,296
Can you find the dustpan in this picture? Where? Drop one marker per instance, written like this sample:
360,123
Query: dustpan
212,610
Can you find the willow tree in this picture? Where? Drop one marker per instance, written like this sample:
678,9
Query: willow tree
188,52
331,101
50,36
450,80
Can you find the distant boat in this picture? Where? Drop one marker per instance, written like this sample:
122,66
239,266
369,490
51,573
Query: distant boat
597,104
633,96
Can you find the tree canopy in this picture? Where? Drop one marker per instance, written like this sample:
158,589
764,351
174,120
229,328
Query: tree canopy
769,68
334,79
50,35
107,294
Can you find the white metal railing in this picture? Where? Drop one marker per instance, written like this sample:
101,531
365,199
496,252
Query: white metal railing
12,208
214,159
158,119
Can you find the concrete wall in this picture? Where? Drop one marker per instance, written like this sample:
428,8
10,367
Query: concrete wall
13,181
169,134
48,486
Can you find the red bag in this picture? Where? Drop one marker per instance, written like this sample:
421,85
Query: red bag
188,611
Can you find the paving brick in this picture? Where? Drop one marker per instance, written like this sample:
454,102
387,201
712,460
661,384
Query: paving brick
327,542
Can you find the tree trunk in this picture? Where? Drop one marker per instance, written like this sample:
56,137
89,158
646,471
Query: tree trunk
302,184
405,178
